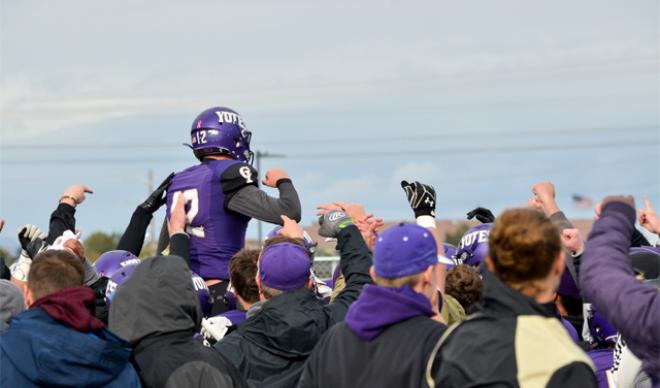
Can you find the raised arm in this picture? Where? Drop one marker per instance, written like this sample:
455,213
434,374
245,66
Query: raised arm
63,218
607,277
133,238
354,255
244,196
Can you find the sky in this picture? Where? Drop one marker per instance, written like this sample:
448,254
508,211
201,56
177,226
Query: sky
480,99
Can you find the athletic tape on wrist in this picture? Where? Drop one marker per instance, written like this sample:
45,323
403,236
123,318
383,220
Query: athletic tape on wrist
426,221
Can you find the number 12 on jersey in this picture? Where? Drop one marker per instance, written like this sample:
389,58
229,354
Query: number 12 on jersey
192,200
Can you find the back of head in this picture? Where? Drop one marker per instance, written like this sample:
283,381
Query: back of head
464,284
52,271
284,266
523,246
402,253
158,298
243,274
221,131
11,301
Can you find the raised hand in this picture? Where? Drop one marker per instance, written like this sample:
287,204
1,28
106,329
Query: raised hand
369,229
647,218
627,199
75,195
159,197
485,216
421,198
177,222
32,240
332,222
273,176
354,210
291,229
544,193
572,240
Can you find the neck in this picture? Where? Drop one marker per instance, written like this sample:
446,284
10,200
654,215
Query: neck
218,157
539,291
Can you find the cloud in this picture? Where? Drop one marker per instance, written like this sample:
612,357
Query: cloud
424,172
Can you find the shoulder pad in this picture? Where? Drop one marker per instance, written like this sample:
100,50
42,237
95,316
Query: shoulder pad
237,176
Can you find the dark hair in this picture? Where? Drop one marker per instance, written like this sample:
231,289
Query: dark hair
464,284
523,245
54,270
243,273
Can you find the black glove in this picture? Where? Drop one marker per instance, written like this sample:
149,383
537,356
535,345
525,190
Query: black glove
158,198
332,222
484,215
421,198
32,240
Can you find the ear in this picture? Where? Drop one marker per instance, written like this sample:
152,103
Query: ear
29,297
372,273
427,275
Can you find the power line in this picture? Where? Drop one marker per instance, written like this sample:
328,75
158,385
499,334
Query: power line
423,137
358,154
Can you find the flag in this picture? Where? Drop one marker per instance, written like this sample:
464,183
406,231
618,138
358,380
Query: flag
582,202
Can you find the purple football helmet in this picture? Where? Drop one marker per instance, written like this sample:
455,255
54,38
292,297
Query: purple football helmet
203,293
600,328
119,277
449,250
111,261
646,261
310,245
221,131
473,247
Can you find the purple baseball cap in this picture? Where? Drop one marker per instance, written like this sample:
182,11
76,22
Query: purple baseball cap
403,250
284,266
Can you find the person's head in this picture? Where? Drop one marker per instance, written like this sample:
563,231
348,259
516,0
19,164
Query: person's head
525,252
221,132
284,266
243,276
473,247
11,301
112,261
464,284
52,271
407,255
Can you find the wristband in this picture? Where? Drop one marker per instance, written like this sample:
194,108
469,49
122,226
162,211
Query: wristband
68,197
426,221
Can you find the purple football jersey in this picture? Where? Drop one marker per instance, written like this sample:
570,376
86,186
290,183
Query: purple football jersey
215,233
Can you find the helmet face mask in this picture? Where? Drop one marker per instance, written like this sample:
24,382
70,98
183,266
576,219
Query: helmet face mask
221,131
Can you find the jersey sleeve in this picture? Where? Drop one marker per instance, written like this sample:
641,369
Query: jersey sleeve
236,177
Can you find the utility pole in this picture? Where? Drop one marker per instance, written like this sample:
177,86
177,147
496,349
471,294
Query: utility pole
257,158
150,189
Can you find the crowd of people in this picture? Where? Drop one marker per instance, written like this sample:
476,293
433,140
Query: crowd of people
523,300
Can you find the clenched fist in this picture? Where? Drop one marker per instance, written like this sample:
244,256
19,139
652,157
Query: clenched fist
273,176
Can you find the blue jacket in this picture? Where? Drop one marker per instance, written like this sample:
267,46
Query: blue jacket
36,350
608,280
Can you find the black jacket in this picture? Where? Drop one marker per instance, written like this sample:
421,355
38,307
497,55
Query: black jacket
513,342
271,347
157,311
396,358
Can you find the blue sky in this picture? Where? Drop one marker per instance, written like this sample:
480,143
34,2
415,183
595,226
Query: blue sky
482,99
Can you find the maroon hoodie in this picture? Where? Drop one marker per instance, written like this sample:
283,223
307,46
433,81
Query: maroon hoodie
72,307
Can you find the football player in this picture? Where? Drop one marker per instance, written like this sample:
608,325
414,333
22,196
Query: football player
222,194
